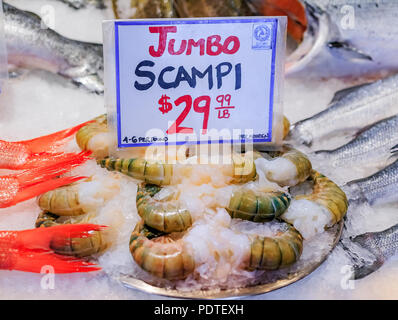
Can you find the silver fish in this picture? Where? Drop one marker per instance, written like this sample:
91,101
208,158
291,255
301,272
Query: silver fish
381,187
347,38
79,4
342,38
369,251
350,111
372,149
31,45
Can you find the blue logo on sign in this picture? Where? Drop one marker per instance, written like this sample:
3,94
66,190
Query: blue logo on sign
262,33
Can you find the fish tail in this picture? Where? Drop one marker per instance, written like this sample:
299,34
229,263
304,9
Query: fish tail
394,151
41,238
40,188
41,174
39,262
52,141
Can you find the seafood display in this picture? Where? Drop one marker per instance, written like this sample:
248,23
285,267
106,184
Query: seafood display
194,220
158,243
350,111
31,46
255,187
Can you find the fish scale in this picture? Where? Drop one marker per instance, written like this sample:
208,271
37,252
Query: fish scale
357,109
371,149
380,187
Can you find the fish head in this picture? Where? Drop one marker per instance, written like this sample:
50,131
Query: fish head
89,73
299,133
315,39
364,261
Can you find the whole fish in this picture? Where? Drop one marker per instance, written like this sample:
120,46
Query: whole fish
371,149
78,4
380,187
342,38
350,111
31,45
369,251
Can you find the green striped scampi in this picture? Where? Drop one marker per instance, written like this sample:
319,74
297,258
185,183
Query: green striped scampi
95,137
288,167
279,251
160,173
152,172
159,254
257,206
165,215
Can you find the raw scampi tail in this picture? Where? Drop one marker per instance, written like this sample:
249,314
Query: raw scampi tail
29,250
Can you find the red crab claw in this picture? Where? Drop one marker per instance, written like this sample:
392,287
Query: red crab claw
29,250
31,183
36,152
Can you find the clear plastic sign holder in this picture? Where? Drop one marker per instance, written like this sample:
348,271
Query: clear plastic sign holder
3,52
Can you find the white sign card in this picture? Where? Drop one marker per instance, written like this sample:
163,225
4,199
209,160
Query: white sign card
195,80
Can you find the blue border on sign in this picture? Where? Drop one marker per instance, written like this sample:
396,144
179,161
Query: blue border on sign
194,21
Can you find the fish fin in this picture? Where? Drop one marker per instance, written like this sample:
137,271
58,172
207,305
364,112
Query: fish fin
92,83
345,51
394,151
34,261
345,92
46,159
41,174
40,188
52,141
41,238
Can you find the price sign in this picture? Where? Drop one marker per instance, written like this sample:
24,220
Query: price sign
195,80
